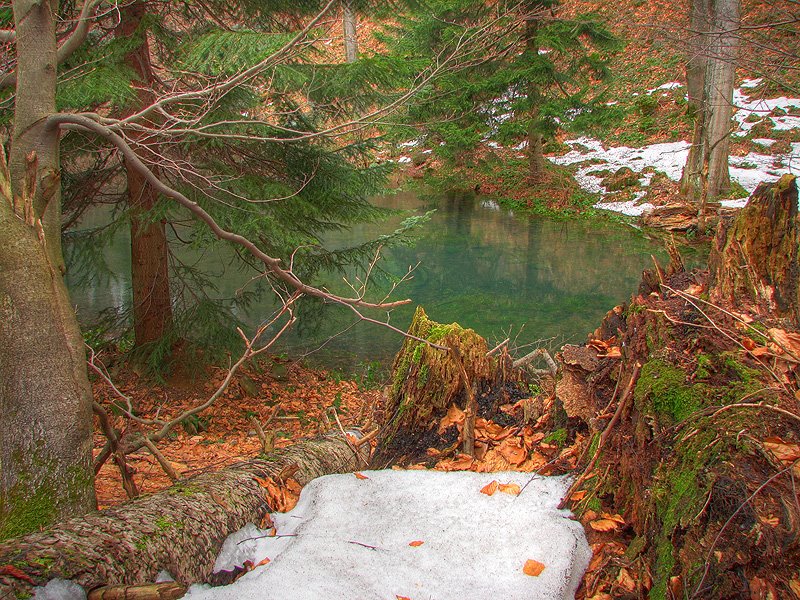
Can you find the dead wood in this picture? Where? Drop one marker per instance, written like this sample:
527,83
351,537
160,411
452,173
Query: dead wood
754,259
180,529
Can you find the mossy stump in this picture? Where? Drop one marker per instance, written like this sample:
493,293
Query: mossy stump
754,259
426,380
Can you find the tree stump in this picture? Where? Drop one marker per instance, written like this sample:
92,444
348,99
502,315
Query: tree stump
754,259
427,380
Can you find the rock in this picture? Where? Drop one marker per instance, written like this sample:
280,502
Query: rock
624,177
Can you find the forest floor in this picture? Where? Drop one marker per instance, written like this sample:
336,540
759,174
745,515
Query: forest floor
290,401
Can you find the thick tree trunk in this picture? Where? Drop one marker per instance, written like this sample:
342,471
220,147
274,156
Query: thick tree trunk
45,399
35,100
706,173
152,301
754,260
180,529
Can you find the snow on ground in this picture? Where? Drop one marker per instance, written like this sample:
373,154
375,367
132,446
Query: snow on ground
669,158
351,538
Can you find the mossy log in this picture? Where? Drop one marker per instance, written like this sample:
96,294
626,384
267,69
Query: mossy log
426,380
754,259
180,529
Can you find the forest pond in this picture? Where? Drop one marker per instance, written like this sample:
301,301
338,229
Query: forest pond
528,278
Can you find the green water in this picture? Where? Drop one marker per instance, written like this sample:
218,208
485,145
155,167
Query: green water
528,278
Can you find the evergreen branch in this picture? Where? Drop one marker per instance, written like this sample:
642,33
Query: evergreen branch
83,123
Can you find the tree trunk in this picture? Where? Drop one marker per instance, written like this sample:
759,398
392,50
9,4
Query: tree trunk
37,61
536,164
45,399
180,529
152,301
350,27
754,260
706,173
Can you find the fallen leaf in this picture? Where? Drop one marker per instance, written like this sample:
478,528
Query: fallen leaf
533,568
694,289
604,525
787,341
513,451
263,561
360,476
613,352
455,416
786,453
510,488
490,488
771,521
794,585
625,581
462,462
416,543
402,598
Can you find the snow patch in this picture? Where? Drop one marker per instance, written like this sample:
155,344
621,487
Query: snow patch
59,589
349,538
403,160
667,86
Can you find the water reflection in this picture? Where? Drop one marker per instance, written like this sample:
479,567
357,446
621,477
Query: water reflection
480,265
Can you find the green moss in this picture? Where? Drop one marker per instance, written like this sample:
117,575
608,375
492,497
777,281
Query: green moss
662,389
557,437
28,513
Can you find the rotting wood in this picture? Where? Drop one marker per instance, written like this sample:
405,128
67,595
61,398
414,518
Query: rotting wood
754,259
604,436
180,529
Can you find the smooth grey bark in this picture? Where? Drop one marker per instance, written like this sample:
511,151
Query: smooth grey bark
45,398
180,529
706,173
350,28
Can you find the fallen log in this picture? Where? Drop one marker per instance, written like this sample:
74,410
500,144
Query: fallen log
180,529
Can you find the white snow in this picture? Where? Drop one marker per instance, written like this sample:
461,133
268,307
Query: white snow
670,158
349,538
404,160
667,86
762,107
766,142
59,589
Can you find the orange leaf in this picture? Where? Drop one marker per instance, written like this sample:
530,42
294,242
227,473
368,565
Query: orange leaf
454,416
462,462
784,452
416,543
360,476
794,585
533,568
604,525
579,495
490,488
513,451
264,561
510,488
402,597
613,352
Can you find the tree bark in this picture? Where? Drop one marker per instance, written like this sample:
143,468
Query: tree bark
754,260
37,60
706,173
180,529
45,399
350,27
536,163
152,300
